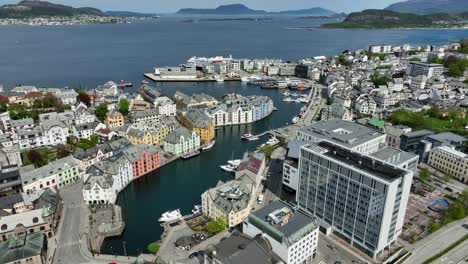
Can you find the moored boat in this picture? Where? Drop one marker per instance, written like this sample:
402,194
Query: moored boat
207,147
246,136
170,216
236,162
295,120
228,168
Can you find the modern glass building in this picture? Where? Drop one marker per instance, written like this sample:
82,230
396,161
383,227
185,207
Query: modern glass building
361,197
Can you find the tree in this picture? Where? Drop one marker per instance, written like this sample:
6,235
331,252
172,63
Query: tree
63,151
101,112
448,177
216,226
124,104
36,158
3,107
153,247
330,101
83,97
433,112
425,174
379,79
456,211
415,59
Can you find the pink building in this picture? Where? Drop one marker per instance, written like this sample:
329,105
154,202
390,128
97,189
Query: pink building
144,158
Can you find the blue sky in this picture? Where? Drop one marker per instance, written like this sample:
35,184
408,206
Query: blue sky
164,6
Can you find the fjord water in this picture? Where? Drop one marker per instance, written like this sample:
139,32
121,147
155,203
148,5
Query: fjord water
88,55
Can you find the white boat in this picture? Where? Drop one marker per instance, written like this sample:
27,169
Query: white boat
296,100
219,79
303,100
228,168
288,99
246,136
286,93
207,147
295,120
170,216
245,79
197,209
282,84
236,162
190,155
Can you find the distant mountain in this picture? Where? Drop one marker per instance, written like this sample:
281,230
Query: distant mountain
424,7
374,18
239,9
34,8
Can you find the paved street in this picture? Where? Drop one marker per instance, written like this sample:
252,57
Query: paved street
437,241
68,238
273,184
328,251
456,255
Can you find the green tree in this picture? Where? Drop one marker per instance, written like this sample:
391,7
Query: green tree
425,174
83,97
379,79
433,226
433,112
154,247
63,151
101,112
3,107
415,59
124,105
330,101
36,158
448,177
216,226
456,211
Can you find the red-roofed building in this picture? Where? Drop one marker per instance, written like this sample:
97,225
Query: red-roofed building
253,165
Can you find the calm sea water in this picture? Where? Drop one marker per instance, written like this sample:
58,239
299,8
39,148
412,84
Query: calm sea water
88,55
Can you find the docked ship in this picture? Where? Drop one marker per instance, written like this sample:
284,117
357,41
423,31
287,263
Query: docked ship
295,120
228,168
209,146
170,216
190,155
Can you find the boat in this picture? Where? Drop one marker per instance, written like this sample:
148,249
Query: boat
275,109
207,147
269,85
197,209
246,136
144,82
295,120
281,84
228,168
125,84
288,99
303,100
286,93
236,162
170,216
190,155
245,79
219,78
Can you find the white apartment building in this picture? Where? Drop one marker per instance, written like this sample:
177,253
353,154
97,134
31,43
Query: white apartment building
365,104
293,234
165,106
362,198
449,160
427,69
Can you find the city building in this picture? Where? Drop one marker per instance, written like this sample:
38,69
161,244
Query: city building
165,106
448,160
336,111
361,198
86,130
232,201
114,119
145,119
292,233
199,122
149,94
380,49
144,159
394,134
239,248
426,69
36,221
56,174
291,164
24,248
105,179
151,137
350,135
10,181
182,141
410,142
88,157
181,73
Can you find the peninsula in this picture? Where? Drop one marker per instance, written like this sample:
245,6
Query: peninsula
381,19
239,9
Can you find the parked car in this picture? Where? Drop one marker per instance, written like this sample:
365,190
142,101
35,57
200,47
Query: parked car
260,199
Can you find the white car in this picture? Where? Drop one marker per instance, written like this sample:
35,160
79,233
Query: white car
260,199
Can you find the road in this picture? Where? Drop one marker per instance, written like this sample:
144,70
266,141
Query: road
274,182
68,249
329,251
456,255
437,241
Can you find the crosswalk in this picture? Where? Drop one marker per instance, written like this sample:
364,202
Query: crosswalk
68,244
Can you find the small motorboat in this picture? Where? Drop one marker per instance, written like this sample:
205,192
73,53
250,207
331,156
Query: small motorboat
252,138
197,209
286,93
228,168
144,82
207,147
190,155
170,216
236,162
246,136
295,120
288,99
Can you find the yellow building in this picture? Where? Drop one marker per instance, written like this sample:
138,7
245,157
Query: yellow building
150,137
200,123
114,119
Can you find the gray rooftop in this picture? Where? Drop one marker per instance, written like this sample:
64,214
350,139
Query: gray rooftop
447,138
419,133
344,133
294,148
282,222
393,155
357,161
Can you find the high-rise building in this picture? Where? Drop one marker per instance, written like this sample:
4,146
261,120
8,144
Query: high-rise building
361,197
